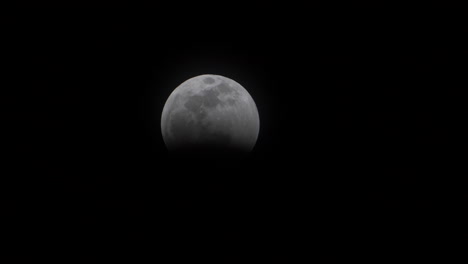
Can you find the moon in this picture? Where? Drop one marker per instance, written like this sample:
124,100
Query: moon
210,113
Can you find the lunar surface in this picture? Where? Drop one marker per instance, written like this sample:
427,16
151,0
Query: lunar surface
210,113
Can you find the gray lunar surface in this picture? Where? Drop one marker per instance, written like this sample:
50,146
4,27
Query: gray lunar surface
210,112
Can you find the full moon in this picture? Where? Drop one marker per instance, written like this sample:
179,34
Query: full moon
210,113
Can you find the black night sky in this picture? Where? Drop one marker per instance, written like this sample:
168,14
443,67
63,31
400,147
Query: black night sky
352,160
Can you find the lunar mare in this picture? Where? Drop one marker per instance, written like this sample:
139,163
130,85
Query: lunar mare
210,112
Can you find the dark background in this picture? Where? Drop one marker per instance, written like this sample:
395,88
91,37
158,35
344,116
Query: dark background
354,158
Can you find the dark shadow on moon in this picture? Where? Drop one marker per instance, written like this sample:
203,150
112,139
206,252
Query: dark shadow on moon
211,150
215,138
195,135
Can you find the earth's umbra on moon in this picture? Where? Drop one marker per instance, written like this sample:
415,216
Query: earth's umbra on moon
210,113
